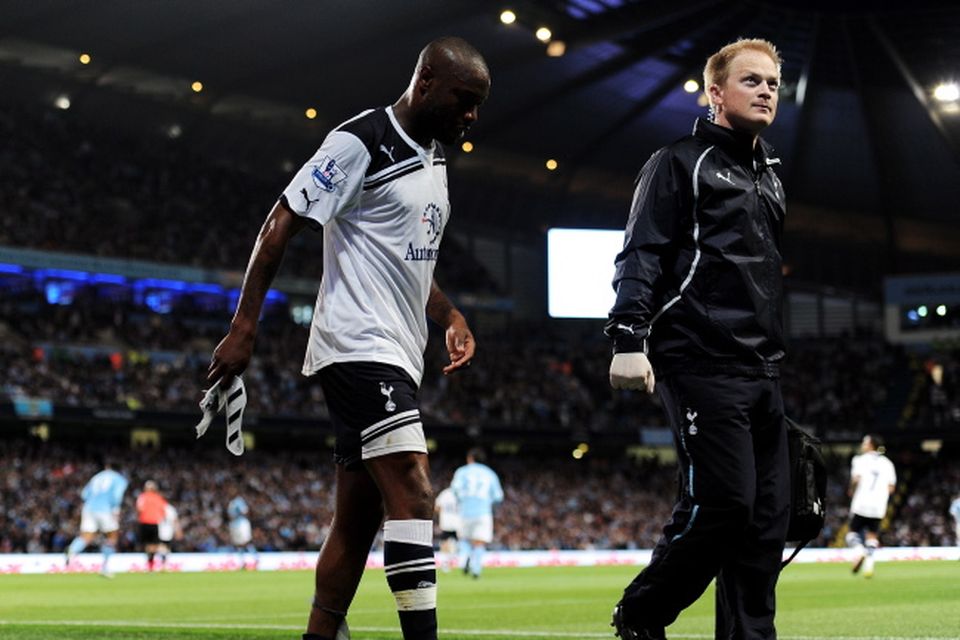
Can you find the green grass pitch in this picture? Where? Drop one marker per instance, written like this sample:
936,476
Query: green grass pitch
903,600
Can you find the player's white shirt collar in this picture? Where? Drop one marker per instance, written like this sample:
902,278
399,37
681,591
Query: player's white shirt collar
425,155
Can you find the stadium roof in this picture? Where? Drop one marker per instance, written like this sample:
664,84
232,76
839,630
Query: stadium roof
859,129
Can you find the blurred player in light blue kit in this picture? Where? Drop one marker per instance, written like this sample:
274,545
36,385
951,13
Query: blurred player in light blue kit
102,497
241,533
477,489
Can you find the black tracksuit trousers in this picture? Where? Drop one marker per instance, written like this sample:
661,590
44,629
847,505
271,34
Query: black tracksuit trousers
731,517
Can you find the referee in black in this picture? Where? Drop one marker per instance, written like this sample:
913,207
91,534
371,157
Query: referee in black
699,301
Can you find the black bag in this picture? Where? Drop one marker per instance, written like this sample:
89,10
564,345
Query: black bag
808,487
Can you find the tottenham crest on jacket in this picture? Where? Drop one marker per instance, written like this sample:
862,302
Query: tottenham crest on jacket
719,298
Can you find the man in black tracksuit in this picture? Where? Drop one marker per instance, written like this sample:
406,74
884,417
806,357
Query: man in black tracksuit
699,290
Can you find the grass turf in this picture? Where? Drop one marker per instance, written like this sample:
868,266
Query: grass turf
903,600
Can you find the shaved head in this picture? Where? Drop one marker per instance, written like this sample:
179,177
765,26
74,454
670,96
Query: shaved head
450,82
454,56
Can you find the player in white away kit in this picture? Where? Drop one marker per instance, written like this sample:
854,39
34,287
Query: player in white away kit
378,187
102,497
168,529
448,519
477,488
872,480
241,532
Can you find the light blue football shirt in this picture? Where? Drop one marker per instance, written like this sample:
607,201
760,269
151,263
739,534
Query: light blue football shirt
237,509
477,488
104,492
955,511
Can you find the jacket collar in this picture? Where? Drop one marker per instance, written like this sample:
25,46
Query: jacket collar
736,143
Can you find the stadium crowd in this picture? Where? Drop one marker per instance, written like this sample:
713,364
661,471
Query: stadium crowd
937,404
105,351
113,353
922,515
155,194
598,504
162,200
543,383
550,503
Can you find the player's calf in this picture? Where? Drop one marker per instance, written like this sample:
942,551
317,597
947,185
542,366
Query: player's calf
855,541
343,631
872,545
412,575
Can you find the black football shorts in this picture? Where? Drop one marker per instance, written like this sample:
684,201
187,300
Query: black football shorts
374,410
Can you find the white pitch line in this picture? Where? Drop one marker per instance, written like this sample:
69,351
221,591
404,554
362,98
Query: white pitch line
462,632
277,627
446,609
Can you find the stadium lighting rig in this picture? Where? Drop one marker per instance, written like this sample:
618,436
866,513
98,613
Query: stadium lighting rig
543,33
929,316
946,92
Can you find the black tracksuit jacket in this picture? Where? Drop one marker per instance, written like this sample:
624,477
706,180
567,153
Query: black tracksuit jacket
699,283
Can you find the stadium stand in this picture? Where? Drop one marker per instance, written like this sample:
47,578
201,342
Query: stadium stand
593,503
66,183
101,348
136,357
526,378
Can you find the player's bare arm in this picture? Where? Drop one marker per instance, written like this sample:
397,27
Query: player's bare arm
232,355
460,342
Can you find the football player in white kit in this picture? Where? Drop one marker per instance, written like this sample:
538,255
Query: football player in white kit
448,519
378,187
168,530
872,480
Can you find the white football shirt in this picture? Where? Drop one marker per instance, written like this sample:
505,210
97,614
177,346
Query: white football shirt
382,200
874,474
168,526
449,516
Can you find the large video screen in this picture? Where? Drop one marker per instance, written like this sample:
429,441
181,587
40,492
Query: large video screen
580,271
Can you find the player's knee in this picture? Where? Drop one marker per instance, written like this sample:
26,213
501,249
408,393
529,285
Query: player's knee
421,503
853,539
410,499
404,483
